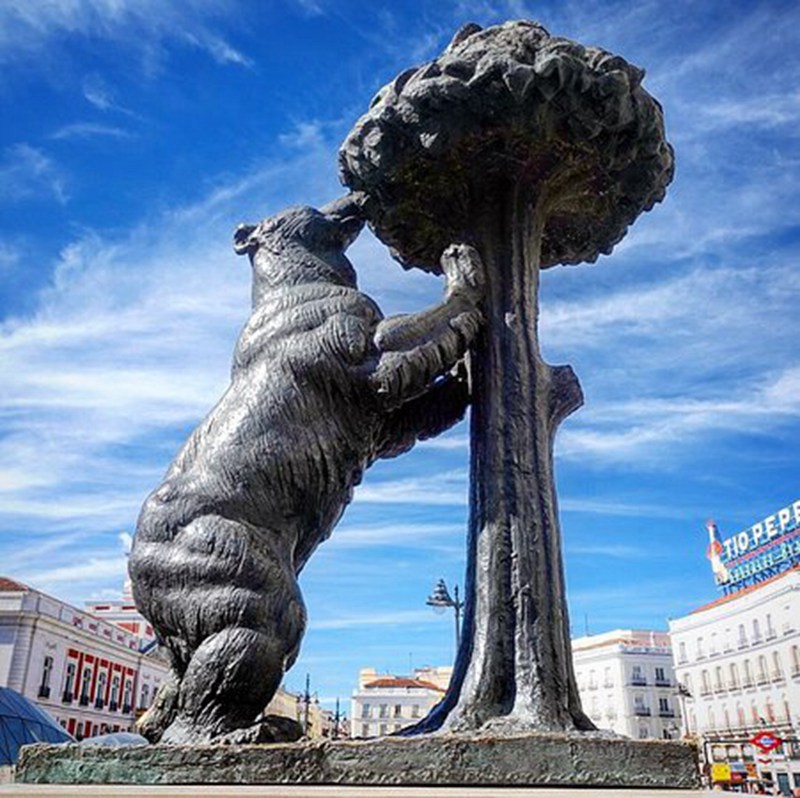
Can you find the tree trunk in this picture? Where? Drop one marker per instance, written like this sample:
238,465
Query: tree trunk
514,667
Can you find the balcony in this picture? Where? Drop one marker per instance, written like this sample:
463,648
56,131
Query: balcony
795,671
641,712
705,690
719,688
663,683
747,682
98,704
638,681
592,686
44,691
84,700
742,644
666,713
771,634
777,676
608,685
733,685
112,707
126,708
762,678
66,698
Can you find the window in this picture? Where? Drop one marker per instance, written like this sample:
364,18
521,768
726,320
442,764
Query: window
383,712
100,693
748,674
592,681
398,711
145,696
126,701
86,683
114,702
712,649
795,660
700,652
682,653
384,729
47,670
69,683
607,680
718,685
762,668
644,732
365,710
415,710
734,670
663,705
756,631
777,668
770,629
660,675
365,729
637,677
705,683
742,636
740,718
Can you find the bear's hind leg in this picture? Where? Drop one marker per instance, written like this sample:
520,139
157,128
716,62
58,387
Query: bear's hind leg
230,678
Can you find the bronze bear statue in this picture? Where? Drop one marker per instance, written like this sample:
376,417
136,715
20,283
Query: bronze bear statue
321,387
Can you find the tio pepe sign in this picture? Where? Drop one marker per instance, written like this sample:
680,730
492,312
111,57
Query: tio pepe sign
765,548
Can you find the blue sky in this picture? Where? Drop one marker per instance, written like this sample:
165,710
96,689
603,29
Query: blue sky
137,133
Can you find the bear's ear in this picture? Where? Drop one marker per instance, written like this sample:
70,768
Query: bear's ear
243,240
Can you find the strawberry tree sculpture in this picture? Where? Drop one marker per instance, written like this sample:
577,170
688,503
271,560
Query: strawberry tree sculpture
539,152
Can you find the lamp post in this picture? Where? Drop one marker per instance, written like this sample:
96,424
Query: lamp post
440,599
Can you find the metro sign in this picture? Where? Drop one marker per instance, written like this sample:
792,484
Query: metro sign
766,741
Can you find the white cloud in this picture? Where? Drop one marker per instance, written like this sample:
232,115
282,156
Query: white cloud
400,618
9,256
444,490
147,26
27,172
83,130
93,569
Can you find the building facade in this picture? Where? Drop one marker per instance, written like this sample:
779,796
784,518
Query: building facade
626,682
738,659
384,703
123,613
89,674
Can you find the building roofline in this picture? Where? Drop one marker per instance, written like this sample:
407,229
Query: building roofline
745,591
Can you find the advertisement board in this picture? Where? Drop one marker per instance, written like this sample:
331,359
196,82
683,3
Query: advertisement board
758,552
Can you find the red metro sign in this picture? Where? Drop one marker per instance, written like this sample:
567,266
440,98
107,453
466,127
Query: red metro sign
766,741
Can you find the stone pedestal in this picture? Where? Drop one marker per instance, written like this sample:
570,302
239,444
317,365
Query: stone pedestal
524,760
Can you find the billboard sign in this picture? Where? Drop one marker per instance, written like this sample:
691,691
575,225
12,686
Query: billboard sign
757,553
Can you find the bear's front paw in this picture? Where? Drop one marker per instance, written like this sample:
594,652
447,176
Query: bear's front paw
464,272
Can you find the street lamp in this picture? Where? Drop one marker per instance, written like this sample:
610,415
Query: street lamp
441,599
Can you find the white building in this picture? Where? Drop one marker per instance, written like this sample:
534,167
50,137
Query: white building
123,613
384,704
88,674
626,682
739,658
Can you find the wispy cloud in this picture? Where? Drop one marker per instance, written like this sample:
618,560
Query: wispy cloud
84,130
400,618
220,50
27,172
147,26
447,489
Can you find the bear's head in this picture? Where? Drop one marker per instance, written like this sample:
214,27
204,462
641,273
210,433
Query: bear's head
302,244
